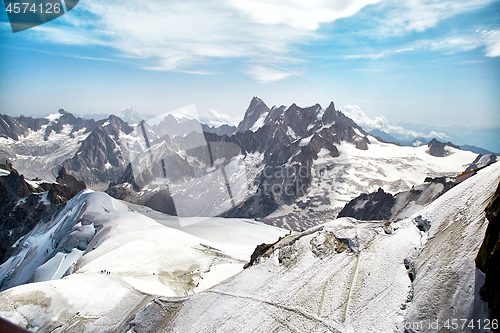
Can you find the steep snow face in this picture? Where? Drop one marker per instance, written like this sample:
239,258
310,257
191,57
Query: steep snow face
96,234
40,244
447,281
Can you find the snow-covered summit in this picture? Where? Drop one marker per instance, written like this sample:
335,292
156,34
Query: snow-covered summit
130,115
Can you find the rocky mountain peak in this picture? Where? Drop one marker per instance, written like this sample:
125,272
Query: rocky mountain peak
330,114
302,120
255,111
437,148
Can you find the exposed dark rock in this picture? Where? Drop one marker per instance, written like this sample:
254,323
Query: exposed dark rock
330,114
488,257
13,127
98,159
422,224
375,206
436,148
362,143
257,253
73,186
384,206
7,166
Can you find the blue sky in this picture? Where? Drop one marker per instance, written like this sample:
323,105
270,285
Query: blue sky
420,61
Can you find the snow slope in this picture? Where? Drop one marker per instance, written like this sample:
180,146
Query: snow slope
447,281
310,282
97,234
342,276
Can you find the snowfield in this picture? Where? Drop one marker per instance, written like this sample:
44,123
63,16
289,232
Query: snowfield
34,157
96,234
338,180
342,276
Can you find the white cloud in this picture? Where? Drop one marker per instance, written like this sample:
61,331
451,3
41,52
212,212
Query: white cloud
265,74
355,113
218,119
185,36
179,35
490,40
307,15
420,15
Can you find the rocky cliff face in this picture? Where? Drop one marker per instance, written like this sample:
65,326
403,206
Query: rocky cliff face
488,258
368,207
11,127
257,110
292,166
269,159
25,204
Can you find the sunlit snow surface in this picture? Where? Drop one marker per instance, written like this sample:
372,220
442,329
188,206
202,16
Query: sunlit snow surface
98,234
342,276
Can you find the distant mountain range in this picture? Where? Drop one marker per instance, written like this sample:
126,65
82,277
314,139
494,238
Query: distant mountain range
422,141
290,166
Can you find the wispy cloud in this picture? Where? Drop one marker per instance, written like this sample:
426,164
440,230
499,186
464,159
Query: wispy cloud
303,15
419,15
355,113
265,74
490,40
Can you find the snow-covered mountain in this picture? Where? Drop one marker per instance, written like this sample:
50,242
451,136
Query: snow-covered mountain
130,115
96,233
38,147
97,263
292,167
123,264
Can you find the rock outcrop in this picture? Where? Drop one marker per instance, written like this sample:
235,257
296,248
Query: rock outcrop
437,148
488,258
23,205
